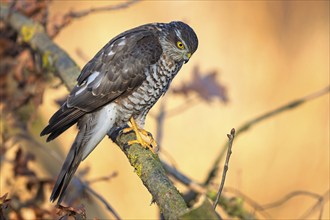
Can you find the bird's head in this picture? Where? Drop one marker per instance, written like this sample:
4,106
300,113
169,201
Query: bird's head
180,41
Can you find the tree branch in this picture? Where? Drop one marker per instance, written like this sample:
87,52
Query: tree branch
231,137
150,170
70,16
147,165
53,57
79,14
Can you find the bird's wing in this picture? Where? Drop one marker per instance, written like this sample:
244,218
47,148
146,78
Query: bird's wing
116,69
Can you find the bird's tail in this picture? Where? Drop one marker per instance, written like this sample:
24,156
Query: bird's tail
69,167
92,129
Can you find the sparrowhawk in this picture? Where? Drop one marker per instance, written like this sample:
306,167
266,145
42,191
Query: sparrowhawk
120,85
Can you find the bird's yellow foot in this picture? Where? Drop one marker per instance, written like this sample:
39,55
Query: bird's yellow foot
151,145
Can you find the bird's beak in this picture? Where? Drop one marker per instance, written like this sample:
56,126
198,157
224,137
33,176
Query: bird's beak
186,57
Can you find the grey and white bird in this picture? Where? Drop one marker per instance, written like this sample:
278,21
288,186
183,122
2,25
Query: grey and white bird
120,85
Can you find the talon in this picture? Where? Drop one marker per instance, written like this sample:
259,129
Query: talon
151,145
127,130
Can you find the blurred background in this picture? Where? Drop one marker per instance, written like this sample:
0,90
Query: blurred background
263,54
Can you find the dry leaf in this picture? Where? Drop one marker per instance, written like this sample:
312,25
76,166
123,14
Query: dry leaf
205,85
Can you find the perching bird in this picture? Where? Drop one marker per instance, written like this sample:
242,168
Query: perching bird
120,85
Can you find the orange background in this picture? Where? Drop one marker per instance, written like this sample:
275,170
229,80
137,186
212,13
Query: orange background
267,54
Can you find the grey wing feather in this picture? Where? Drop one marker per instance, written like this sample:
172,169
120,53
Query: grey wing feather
63,119
118,68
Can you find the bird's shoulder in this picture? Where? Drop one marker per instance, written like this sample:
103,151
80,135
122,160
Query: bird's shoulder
117,68
139,45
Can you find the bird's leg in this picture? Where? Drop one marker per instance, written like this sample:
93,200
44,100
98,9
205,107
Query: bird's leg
152,145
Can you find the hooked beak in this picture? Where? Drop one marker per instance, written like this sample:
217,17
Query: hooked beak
186,57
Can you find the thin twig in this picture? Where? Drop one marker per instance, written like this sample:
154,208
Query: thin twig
102,178
79,14
318,205
70,16
231,137
163,153
160,120
201,190
288,197
189,102
45,17
183,107
321,212
103,200
291,105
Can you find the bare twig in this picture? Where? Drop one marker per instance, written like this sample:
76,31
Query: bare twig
231,137
160,119
318,205
70,16
183,107
287,198
199,189
44,20
79,14
165,154
103,200
102,178
267,115
321,212
189,102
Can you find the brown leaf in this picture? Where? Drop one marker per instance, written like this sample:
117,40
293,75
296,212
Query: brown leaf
4,204
6,45
77,213
21,164
205,85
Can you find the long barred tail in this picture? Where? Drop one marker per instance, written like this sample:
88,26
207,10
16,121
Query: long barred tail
69,167
92,129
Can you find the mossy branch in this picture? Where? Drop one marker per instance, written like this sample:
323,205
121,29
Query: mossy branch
147,165
150,170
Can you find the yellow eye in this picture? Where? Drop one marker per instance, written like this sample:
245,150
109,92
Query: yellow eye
180,45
